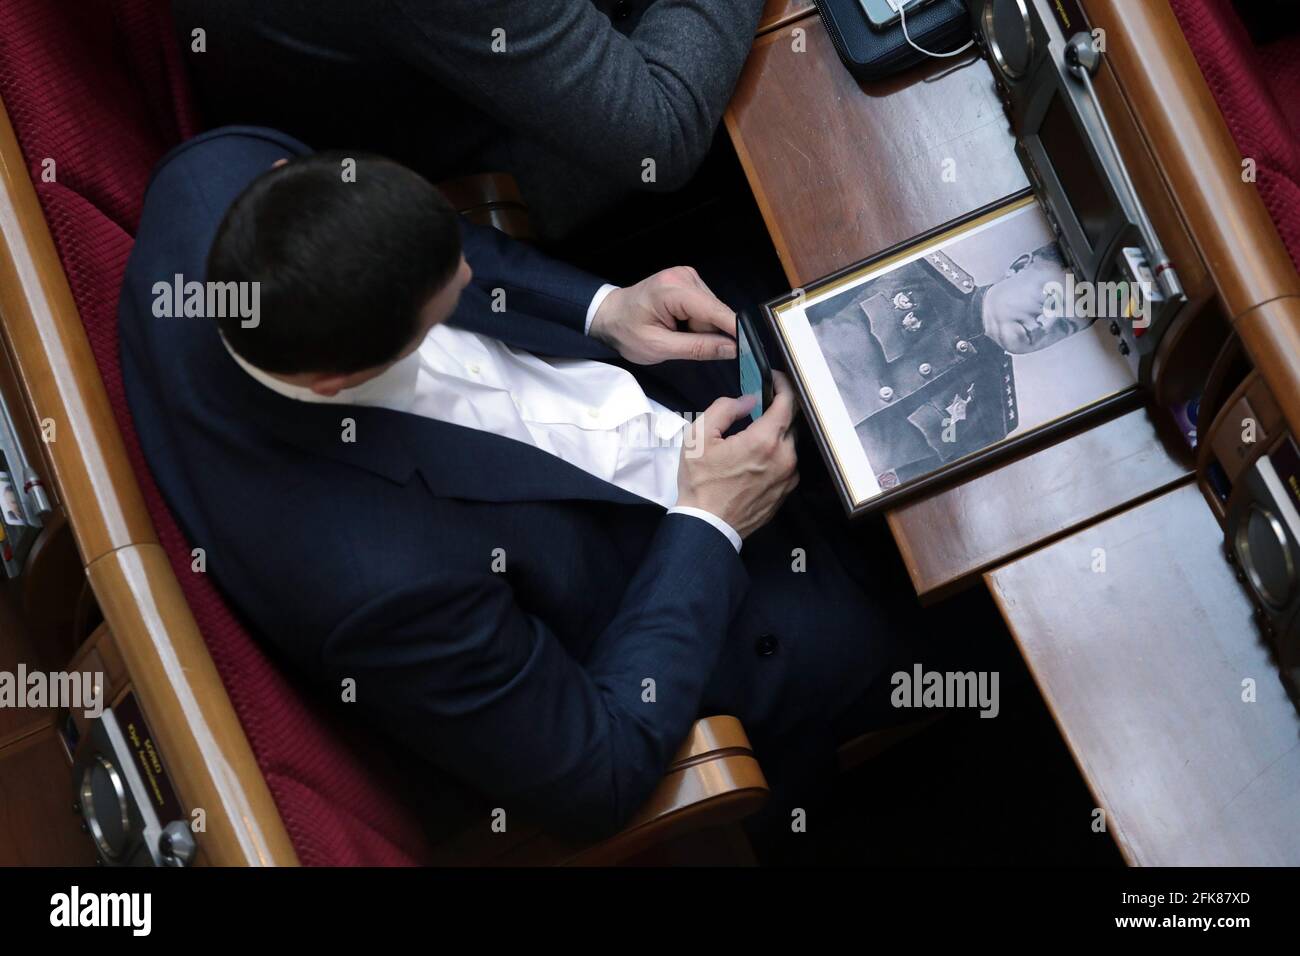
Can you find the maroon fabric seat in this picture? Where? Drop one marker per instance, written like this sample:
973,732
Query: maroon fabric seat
1257,88
96,94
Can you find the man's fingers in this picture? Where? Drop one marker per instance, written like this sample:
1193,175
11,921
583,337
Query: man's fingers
782,385
693,277
724,413
702,310
778,416
693,346
712,312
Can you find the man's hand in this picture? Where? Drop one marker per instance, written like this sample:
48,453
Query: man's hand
641,321
745,478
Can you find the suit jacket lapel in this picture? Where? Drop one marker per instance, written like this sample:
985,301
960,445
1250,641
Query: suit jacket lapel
455,461
459,462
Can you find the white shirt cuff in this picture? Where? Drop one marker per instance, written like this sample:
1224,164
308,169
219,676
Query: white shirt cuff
597,301
712,519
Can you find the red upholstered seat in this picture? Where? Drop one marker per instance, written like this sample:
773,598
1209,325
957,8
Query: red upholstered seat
1257,87
98,89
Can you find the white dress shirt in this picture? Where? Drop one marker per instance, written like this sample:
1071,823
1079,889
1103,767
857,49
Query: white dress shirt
593,415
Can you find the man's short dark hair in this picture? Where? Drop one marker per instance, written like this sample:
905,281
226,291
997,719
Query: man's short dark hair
1051,252
345,262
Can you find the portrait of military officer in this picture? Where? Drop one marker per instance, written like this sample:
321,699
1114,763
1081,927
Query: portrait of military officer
922,356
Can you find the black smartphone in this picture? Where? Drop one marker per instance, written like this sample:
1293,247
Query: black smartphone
883,14
755,372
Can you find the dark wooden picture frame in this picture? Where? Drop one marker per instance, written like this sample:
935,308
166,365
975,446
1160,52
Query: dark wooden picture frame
1108,406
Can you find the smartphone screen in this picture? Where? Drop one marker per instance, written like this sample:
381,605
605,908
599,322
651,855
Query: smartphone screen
884,14
751,374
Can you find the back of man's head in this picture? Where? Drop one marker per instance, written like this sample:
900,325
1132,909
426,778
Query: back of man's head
345,256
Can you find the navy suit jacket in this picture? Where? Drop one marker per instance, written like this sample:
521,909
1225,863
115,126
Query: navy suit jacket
561,685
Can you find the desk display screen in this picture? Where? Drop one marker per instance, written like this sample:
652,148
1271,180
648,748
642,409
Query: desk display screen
1079,177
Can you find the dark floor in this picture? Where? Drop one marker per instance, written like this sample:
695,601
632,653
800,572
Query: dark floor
965,791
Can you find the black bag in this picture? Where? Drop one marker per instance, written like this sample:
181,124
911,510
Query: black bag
871,54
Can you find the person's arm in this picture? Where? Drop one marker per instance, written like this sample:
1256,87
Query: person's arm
533,282
567,79
640,323
454,668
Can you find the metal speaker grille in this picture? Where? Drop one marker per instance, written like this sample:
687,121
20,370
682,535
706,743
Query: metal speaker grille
1009,34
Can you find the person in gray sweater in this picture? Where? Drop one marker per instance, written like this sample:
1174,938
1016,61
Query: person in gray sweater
584,101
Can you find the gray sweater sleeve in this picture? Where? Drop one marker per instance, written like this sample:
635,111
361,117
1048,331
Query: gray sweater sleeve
559,73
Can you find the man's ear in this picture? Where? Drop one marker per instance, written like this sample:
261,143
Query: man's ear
1020,264
328,386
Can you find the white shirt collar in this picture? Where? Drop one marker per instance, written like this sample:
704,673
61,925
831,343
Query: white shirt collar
392,388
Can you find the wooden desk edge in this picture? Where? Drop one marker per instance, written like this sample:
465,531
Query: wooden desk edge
755,181
929,593
795,11
1113,827
1190,138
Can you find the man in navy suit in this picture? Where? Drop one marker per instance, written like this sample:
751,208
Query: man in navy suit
500,504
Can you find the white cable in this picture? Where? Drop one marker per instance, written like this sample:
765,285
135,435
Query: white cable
902,18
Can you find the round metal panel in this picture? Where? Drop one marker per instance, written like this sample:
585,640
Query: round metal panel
106,807
1265,555
1009,35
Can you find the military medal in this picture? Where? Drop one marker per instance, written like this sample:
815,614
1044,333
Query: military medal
957,410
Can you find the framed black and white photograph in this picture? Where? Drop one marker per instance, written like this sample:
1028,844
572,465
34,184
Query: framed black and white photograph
927,359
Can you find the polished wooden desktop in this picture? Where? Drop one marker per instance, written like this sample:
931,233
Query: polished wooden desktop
1141,665
1144,647
1035,498
843,170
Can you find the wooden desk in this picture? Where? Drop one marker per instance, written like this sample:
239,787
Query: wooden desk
780,12
843,170
1142,667
947,537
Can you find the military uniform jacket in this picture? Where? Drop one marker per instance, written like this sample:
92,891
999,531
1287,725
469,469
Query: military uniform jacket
923,384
